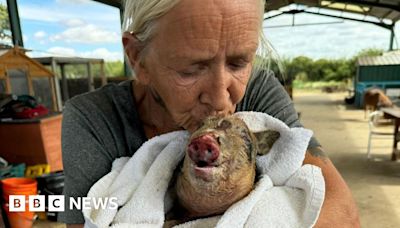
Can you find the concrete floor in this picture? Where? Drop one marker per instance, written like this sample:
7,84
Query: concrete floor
343,132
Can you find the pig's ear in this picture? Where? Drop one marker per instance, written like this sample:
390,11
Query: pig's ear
265,140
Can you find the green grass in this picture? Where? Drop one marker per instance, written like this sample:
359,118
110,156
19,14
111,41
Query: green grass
306,85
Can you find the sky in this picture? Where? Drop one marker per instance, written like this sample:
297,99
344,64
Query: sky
81,28
331,38
86,28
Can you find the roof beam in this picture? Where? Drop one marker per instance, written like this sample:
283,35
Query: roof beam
373,4
383,25
114,3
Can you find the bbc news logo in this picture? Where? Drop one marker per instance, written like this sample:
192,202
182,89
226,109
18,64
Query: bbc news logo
56,203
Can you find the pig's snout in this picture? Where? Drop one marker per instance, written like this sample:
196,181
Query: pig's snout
203,150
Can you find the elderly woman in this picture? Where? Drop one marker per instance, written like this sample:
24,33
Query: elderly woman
191,59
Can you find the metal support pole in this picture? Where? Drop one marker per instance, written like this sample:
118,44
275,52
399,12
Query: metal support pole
392,36
14,23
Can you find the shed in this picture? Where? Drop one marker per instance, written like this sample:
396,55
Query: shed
20,74
72,87
377,71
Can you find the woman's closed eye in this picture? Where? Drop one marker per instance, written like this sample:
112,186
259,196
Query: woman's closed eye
236,65
193,70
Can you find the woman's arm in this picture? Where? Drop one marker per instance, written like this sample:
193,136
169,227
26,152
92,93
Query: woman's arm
265,94
339,208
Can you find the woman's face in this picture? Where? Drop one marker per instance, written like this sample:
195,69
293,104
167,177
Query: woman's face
199,60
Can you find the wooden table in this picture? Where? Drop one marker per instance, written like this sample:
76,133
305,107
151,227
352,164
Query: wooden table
394,113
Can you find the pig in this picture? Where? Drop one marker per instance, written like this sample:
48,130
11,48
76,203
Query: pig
374,98
219,167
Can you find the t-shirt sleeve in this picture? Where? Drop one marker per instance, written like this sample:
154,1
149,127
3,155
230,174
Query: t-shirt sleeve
265,93
85,159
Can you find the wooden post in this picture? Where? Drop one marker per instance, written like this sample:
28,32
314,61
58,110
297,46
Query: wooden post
90,77
64,83
8,83
29,79
59,103
53,92
102,74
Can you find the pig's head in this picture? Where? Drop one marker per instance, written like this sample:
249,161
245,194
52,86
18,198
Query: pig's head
219,166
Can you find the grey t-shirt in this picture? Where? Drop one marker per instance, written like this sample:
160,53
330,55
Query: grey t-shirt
103,125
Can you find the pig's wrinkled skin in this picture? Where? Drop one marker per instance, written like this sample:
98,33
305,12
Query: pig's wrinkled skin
219,166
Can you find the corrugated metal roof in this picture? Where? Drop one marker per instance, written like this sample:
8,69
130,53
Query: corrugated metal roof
387,59
381,9
393,52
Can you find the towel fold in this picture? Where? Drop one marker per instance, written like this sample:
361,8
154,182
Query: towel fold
286,195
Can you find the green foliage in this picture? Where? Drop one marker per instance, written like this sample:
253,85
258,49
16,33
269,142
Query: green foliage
298,66
305,69
114,69
369,52
4,23
319,85
111,69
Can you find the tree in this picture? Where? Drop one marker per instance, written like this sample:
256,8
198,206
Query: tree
114,69
369,52
4,23
301,66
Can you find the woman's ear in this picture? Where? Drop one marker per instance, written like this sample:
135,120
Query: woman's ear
132,48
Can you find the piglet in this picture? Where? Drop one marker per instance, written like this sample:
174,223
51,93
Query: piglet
219,166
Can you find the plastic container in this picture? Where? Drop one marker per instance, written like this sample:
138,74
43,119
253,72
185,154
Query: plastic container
19,186
51,184
12,170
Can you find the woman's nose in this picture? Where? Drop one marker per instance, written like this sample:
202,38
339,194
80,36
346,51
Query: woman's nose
216,92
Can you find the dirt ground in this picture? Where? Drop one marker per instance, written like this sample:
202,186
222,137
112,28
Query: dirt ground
343,132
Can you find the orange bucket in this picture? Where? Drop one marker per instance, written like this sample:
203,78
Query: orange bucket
19,186
19,219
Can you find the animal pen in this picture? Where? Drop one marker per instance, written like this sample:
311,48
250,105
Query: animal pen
381,72
21,75
70,87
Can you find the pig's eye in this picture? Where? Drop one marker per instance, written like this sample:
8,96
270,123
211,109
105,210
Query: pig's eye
224,124
201,124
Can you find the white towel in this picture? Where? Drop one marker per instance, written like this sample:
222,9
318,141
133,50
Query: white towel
287,194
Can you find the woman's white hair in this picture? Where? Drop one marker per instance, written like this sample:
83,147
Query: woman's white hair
140,18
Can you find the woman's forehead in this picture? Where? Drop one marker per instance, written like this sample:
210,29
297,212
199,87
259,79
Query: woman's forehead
194,12
206,25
